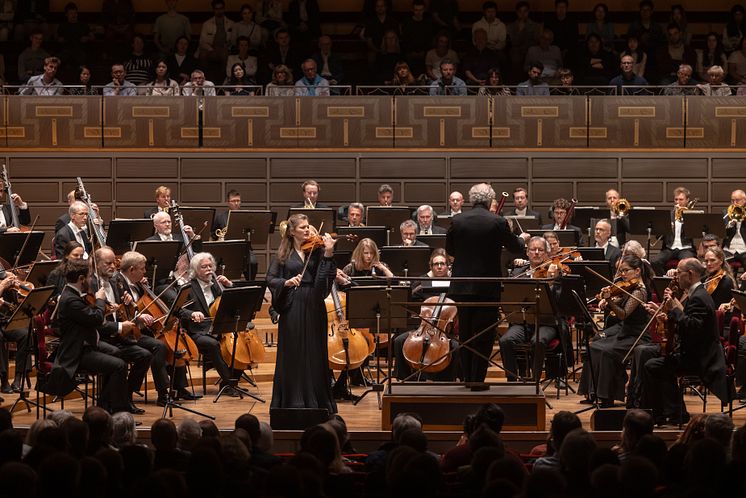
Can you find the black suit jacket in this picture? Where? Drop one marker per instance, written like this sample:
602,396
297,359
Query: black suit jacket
24,216
65,235
220,221
199,304
550,227
61,222
685,241
529,212
612,255
196,245
700,349
434,229
475,240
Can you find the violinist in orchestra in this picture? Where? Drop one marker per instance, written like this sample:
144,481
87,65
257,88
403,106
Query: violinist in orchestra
693,348
299,281
602,236
408,232
129,282
76,229
676,244
73,250
233,202
162,201
206,287
310,190
719,280
365,261
115,331
6,216
626,300
562,217
475,240
8,298
522,333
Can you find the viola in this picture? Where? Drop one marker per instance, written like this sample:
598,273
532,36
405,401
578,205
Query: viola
347,347
711,284
429,348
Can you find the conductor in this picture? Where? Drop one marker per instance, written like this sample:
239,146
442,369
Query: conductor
475,240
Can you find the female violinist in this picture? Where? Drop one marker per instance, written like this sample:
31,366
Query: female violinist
73,250
719,279
299,282
606,354
365,261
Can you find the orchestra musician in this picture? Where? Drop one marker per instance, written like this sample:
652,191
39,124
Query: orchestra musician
520,205
455,203
425,224
355,214
698,353
78,346
475,241
233,200
676,245
718,280
196,317
385,195
608,351
622,220
8,295
560,210
602,236
365,261
708,241
162,200
734,243
310,190
75,230
522,333
408,232
73,250
299,282
6,217
114,333
163,230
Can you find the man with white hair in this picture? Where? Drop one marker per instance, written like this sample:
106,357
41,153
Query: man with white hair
425,225
475,241
199,86
74,230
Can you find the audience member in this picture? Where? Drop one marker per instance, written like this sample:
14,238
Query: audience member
563,423
448,83
627,77
565,28
45,83
547,53
119,85
445,15
239,83
303,18
375,27
494,84
601,26
497,33
387,57
479,59
311,84
162,85
436,55
199,86
534,84
165,438
123,429
31,60
73,37
189,434
636,424
118,19
417,35
638,55
269,15
329,64
282,82
216,38
283,53
683,84
181,63
139,66
712,55
7,12
715,87
734,29
169,27
523,33
100,428
646,30
248,28
719,426
595,65
670,56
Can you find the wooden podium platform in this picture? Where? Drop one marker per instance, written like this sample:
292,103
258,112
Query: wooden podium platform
444,406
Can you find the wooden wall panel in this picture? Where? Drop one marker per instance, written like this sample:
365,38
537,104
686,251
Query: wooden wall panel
417,193
3,123
223,168
660,168
721,191
643,192
548,192
201,193
630,121
555,121
347,121
155,167
489,167
723,167
240,122
45,121
99,191
252,194
37,191
573,168
394,167
718,122
442,122
142,191
150,122
594,193
312,168
53,167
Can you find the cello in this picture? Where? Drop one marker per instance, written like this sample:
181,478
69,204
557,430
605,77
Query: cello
347,347
428,348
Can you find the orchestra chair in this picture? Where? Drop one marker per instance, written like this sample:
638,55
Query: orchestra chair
729,336
558,352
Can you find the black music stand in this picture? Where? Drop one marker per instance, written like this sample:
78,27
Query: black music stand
316,217
11,245
237,308
390,217
232,257
589,325
567,238
704,223
172,319
40,271
252,225
523,223
376,234
407,261
366,307
122,234
649,221
23,318
195,217
443,221
161,256
434,240
591,253
583,215
593,283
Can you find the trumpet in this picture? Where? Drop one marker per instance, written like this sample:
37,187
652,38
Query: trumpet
679,214
621,207
736,213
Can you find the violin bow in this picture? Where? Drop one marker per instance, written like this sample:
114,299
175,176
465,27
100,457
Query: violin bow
25,242
644,329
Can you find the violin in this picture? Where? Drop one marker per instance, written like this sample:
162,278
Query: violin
347,347
711,284
620,288
542,271
316,241
429,348
668,342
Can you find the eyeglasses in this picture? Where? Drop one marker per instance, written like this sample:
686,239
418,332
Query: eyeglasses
625,270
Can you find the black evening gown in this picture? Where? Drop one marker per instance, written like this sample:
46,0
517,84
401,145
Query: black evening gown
301,370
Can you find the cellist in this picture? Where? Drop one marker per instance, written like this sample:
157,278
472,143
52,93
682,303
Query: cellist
6,216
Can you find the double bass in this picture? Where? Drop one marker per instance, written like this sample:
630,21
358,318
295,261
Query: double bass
347,347
429,348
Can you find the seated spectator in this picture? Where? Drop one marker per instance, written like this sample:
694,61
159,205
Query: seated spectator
162,85
404,78
435,55
636,423
139,66
311,84
239,82
402,423
282,82
489,416
627,77
565,28
283,53
566,83
249,29
562,423
601,26
546,53
321,441
198,85
216,38
494,84
169,27
45,83
417,35
737,64
714,86
387,57
496,31
245,56
119,85
523,33
375,27
84,86
100,429
638,55
31,60
123,429
683,84
670,56
595,65
479,59
712,55
448,83
269,15
118,18
734,29
534,84
719,426
73,36
329,64
303,18
189,433
575,455
650,33
7,11
181,63
165,438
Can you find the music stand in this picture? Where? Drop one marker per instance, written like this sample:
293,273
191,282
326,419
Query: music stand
649,221
232,256
342,258
40,271
443,221
195,217
412,260
23,318
587,320
390,217
316,217
582,216
237,308
660,284
704,223
593,283
160,255
171,318
12,243
525,222
376,234
591,253
252,225
122,234
567,238
366,307
434,240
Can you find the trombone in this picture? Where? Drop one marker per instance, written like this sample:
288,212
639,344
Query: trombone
736,213
621,207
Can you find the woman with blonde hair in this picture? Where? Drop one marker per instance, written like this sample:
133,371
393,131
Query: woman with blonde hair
365,261
282,84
